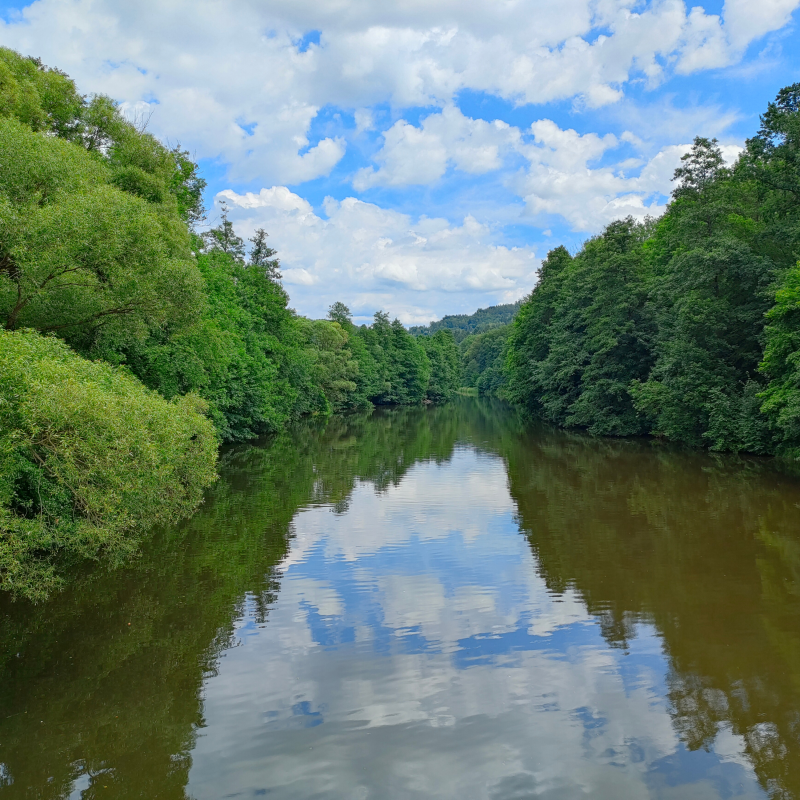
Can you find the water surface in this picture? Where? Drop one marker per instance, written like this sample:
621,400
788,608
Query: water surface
429,603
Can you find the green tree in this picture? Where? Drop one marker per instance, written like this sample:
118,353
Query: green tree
463,325
781,364
223,239
710,290
402,367
445,365
262,256
660,327
583,334
188,186
529,340
339,312
43,99
334,368
483,357
77,254
771,165
89,460
246,354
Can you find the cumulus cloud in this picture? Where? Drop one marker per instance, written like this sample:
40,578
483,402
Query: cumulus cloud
562,181
746,21
373,257
245,87
421,154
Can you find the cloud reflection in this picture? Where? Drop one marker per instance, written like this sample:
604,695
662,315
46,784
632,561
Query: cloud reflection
414,651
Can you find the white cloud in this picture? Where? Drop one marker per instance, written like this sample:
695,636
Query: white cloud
563,177
418,269
364,120
371,257
562,181
238,86
746,21
421,155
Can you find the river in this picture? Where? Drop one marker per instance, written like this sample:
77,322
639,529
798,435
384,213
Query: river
428,603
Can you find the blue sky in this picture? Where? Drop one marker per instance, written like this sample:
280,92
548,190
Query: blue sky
423,156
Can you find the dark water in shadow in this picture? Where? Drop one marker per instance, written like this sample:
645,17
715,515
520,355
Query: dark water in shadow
429,603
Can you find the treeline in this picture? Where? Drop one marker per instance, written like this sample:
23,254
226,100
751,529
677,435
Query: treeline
686,327
131,345
464,325
483,357
482,340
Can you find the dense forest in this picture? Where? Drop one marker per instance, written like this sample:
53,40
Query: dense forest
131,344
686,327
482,342
483,358
464,325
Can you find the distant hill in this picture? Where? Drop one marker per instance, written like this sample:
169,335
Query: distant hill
463,325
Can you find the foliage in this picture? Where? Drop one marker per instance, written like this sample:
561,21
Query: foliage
483,357
334,368
77,254
393,365
709,292
463,325
89,460
46,101
97,247
262,255
685,327
223,239
43,99
247,354
445,365
782,363
581,337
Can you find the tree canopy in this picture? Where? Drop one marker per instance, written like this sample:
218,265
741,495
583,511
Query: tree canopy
463,325
684,327
190,334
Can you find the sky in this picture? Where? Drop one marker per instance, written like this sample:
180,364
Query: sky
421,157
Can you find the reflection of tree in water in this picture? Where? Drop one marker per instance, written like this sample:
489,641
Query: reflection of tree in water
81,691
707,550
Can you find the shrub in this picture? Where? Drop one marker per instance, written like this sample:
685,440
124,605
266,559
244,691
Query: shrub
90,459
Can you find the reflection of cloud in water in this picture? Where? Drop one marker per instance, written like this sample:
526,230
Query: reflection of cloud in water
319,595
415,652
